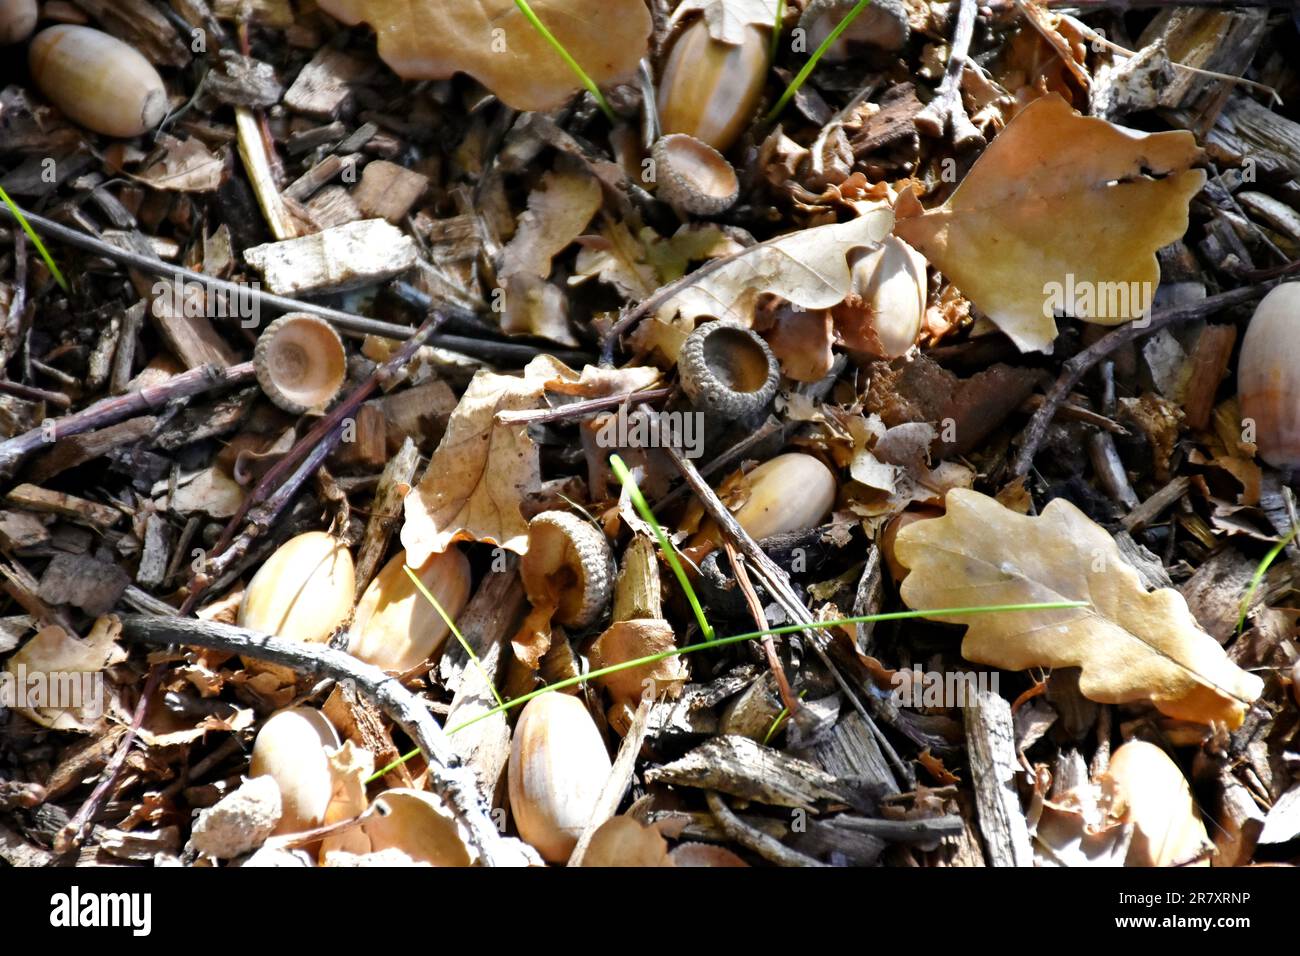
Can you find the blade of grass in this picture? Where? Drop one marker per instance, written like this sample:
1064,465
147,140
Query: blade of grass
625,478
36,240
802,76
737,639
572,64
1259,575
428,596
776,31
780,718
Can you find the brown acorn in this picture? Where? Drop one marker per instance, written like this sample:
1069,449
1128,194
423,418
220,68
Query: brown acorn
97,80
710,89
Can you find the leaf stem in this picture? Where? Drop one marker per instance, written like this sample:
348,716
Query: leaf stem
802,76
578,71
36,240
625,478
737,639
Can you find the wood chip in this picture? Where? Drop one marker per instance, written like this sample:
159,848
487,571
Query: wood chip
743,768
343,257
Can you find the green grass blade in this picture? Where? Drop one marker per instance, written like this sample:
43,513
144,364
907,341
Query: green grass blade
437,606
1259,575
802,76
737,639
625,478
776,31
36,240
572,64
780,719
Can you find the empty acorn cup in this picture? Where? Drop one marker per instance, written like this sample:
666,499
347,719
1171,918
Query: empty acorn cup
728,372
300,363
692,176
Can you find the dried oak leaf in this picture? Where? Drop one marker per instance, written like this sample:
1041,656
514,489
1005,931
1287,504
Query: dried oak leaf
493,42
1131,644
485,468
808,268
482,469
1060,202
628,640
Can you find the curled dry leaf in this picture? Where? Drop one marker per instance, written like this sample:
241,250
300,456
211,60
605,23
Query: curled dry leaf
1062,212
493,42
54,657
809,268
628,640
727,20
484,468
557,214
481,470
1131,644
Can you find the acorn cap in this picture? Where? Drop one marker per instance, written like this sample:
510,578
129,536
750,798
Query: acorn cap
300,362
727,371
882,24
693,176
568,562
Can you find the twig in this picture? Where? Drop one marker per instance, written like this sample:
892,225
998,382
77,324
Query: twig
774,580
456,786
280,484
768,847
578,409
501,352
34,394
1078,365
788,699
109,411
947,110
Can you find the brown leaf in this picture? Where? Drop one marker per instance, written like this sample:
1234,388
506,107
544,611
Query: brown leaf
482,469
1131,644
557,214
628,640
56,664
493,42
1060,204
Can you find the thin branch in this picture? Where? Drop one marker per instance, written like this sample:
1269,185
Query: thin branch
501,352
768,847
1078,365
455,785
109,411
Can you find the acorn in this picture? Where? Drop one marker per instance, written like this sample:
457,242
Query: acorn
889,535
302,592
882,24
395,627
890,282
1149,791
97,80
420,825
791,492
692,176
17,20
558,767
710,89
293,748
568,564
300,363
1268,377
